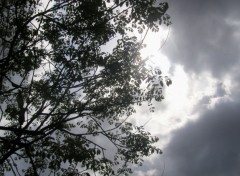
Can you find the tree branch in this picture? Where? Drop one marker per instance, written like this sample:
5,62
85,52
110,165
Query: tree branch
27,148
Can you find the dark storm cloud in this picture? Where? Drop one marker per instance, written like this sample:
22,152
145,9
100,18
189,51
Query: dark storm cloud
209,146
205,35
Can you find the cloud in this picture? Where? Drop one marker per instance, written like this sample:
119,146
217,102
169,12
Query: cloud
204,39
208,146
204,35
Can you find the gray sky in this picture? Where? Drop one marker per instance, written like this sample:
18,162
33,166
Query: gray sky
205,35
200,123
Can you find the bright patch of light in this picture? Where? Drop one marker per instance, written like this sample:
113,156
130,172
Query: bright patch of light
154,42
178,92
184,99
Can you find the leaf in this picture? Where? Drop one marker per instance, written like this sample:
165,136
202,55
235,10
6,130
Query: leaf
168,82
161,83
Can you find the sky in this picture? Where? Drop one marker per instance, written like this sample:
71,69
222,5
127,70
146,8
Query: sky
198,123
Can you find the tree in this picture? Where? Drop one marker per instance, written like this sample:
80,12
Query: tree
61,93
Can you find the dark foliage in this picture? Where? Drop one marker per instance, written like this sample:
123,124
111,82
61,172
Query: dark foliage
61,96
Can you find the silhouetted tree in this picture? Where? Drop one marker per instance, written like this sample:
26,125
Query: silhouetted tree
61,94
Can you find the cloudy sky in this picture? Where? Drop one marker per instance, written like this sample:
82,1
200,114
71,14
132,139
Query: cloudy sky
199,122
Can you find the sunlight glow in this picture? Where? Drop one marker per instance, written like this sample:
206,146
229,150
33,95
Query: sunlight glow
182,99
154,41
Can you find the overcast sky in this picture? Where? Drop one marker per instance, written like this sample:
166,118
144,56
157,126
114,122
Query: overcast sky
199,121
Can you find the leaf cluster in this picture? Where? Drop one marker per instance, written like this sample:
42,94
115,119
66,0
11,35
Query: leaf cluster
61,95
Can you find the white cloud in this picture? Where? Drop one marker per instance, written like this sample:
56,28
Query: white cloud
198,121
